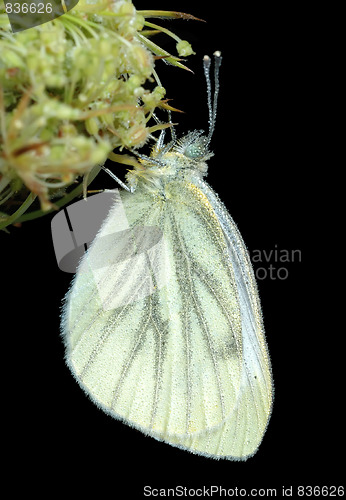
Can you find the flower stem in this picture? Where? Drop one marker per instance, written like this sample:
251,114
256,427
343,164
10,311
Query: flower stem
15,216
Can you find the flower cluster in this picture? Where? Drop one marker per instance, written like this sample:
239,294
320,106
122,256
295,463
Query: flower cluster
71,91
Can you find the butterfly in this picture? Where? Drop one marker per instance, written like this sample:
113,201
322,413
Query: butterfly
162,324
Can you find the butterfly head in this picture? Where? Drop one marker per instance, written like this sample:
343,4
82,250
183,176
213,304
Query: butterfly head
180,157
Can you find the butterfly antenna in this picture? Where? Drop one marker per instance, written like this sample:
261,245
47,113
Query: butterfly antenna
212,105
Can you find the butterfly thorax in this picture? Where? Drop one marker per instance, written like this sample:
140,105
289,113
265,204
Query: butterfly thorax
181,160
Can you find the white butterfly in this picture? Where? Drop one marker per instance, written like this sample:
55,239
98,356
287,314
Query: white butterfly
162,324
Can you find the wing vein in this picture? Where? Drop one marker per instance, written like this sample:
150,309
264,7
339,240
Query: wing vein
200,314
141,332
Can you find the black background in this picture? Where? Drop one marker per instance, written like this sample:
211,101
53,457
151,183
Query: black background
262,169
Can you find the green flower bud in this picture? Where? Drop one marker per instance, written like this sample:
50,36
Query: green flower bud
184,48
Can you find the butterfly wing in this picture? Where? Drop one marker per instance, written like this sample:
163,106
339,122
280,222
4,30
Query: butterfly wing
162,324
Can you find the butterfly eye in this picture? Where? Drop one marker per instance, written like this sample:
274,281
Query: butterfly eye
197,149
